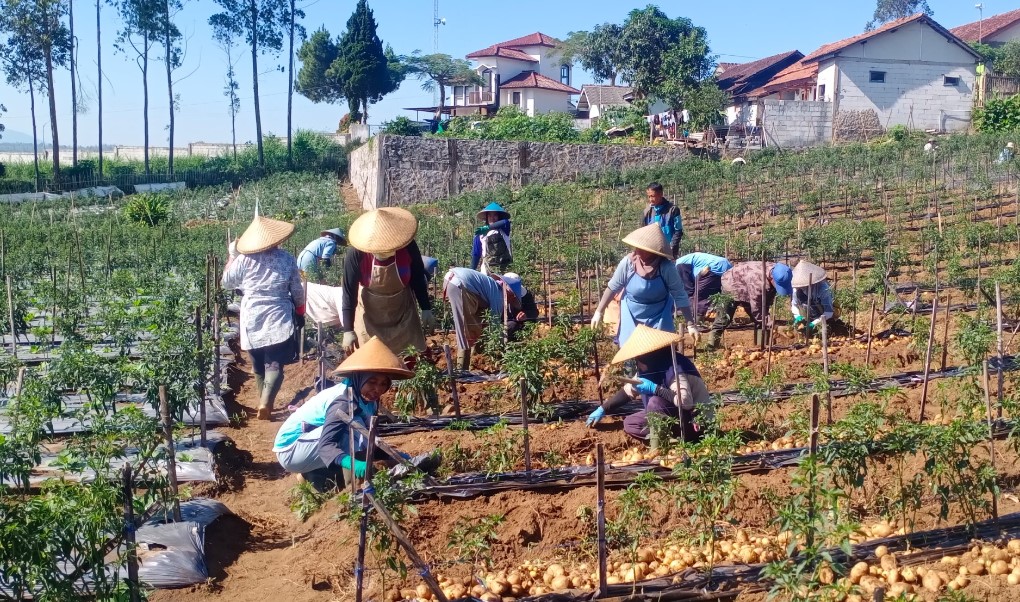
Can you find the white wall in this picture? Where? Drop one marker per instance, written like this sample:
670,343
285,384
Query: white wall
545,101
912,42
1004,36
827,78
745,114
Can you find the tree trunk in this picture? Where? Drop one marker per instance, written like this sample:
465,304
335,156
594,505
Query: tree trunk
364,111
35,129
290,88
442,103
253,5
167,47
48,52
74,87
99,84
612,79
145,101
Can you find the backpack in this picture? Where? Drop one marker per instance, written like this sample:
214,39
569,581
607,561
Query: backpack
497,252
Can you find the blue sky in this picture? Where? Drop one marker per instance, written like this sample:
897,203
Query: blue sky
739,31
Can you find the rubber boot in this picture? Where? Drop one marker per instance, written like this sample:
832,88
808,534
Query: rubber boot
273,382
260,383
714,341
463,360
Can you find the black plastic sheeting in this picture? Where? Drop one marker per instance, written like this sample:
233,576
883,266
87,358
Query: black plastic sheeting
172,555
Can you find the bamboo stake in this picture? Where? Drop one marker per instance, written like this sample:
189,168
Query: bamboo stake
201,376
398,534
807,318
129,536
600,517
991,437
359,566
927,359
453,381
998,322
764,293
10,315
350,452
171,460
945,333
598,371
524,425
825,366
320,357
301,331
676,377
871,334
217,339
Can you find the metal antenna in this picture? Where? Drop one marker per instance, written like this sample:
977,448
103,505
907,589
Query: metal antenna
436,22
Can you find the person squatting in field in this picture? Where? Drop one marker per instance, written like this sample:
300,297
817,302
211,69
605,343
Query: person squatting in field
272,305
491,251
743,286
384,275
320,252
650,285
678,394
702,276
475,297
809,282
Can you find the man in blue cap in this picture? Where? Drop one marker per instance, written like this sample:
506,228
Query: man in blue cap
745,284
491,252
473,297
322,250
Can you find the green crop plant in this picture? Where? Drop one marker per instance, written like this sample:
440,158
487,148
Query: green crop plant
421,390
501,447
305,500
635,507
759,395
471,539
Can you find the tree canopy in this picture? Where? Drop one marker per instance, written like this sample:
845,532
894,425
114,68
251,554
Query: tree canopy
441,70
890,10
599,51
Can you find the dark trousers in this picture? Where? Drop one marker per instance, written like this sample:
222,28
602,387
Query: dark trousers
636,425
724,314
271,358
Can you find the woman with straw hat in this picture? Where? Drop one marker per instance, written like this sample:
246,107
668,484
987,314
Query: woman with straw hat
383,276
320,252
809,283
272,305
491,251
651,286
315,440
667,383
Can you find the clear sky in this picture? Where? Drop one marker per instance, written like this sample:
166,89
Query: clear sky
739,31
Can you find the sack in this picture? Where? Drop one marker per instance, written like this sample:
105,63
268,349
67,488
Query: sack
497,253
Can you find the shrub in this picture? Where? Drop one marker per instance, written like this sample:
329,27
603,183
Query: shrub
998,115
512,124
401,126
149,209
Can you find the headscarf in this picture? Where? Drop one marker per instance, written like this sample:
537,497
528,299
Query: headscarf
645,269
355,381
657,363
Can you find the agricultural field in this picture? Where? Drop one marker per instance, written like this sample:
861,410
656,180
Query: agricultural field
907,483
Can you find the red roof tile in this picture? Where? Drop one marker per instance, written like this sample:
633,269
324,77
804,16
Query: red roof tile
738,79
796,75
986,28
833,48
508,53
534,39
530,79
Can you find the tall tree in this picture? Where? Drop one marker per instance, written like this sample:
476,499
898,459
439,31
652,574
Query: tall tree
315,80
172,58
226,43
293,14
22,61
138,34
599,51
890,10
441,70
261,22
74,84
362,65
99,79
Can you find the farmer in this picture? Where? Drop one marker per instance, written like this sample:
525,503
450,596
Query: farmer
663,212
430,264
315,440
273,305
660,390
702,273
322,250
491,251
929,146
528,311
651,287
807,276
383,276
471,294
1007,154
743,285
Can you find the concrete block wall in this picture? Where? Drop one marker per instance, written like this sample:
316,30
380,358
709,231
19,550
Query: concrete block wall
797,123
396,170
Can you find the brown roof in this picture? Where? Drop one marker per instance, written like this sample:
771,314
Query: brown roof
834,48
534,39
795,76
531,79
604,96
986,27
742,78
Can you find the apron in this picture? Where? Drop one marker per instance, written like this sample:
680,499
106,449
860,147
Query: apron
387,309
485,251
645,302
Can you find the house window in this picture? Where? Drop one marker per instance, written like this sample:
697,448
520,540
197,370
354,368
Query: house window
950,81
565,75
876,77
821,92
515,98
486,79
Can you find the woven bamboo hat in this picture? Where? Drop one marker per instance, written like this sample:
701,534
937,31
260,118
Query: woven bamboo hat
263,233
806,272
374,356
644,340
337,232
650,238
493,207
383,230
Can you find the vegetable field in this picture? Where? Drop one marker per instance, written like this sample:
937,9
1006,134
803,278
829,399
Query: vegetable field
878,456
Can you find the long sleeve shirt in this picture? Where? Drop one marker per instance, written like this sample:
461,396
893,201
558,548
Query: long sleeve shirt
479,284
667,271
699,261
667,215
272,290
310,416
409,263
322,248
502,225
745,283
821,299
335,440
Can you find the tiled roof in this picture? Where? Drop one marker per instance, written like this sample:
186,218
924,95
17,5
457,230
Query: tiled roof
530,79
738,79
795,76
986,28
604,96
833,48
534,39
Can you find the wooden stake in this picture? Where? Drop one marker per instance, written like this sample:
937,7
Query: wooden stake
320,356
524,425
201,376
825,366
10,314
171,460
813,437
598,371
871,333
359,566
350,452
991,438
807,318
998,322
927,358
945,333
217,339
600,518
129,535
676,377
398,534
453,381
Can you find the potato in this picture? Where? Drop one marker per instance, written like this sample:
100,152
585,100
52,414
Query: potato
999,567
1013,579
423,592
514,578
976,568
612,580
491,597
826,576
882,529
1014,546
859,570
560,583
932,582
881,551
498,586
951,560
888,562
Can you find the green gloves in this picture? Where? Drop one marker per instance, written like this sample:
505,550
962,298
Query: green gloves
481,230
358,469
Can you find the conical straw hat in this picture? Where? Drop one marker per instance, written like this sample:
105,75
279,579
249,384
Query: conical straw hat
263,233
493,207
806,272
644,340
650,238
383,230
374,356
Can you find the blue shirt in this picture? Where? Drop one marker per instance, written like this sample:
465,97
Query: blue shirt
699,261
481,285
323,248
312,413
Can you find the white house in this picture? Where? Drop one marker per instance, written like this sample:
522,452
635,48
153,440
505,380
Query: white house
527,72
911,72
594,100
994,31
737,79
